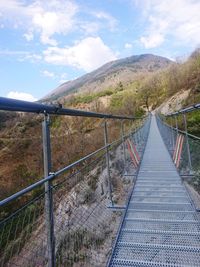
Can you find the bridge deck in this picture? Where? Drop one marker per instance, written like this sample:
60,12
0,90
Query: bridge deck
161,227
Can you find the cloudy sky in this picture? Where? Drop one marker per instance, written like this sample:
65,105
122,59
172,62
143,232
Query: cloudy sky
45,43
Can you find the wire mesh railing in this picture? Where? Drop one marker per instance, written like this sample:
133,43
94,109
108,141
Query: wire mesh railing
184,149
71,221
169,134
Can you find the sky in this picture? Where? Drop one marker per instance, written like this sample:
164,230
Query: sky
44,43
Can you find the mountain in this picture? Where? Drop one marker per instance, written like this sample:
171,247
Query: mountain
110,74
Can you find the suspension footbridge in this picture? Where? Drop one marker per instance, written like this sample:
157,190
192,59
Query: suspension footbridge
92,213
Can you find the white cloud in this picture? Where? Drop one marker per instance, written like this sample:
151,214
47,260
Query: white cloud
90,27
13,53
32,57
128,45
49,74
112,22
88,54
63,78
28,36
21,96
46,18
178,19
62,81
152,41
21,55
56,19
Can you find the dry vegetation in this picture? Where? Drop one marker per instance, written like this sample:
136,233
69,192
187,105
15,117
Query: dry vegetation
21,156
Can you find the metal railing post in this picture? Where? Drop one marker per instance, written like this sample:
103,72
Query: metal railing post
137,133
187,141
108,161
172,133
176,125
48,193
123,142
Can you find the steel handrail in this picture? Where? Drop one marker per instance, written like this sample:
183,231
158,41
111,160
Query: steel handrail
33,107
185,110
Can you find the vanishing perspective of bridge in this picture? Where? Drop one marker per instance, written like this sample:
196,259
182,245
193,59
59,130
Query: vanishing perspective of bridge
125,204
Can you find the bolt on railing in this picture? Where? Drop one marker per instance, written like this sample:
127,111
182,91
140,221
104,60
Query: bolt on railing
66,222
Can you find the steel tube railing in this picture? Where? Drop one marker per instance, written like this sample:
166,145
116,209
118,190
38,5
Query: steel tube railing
184,110
32,107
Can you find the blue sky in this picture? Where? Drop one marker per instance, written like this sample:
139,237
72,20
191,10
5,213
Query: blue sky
45,43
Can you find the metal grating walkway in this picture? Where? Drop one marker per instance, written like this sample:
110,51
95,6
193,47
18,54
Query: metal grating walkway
161,227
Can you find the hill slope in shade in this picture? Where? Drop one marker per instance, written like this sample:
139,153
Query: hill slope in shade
110,74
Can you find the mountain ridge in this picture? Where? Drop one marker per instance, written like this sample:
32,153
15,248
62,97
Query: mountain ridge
111,73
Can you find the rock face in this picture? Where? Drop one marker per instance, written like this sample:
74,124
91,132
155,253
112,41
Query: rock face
174,103
110,74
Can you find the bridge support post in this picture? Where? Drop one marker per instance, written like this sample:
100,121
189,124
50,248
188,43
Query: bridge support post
48,193
137,133
108,161
123,142
176,122
172,134
187,142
